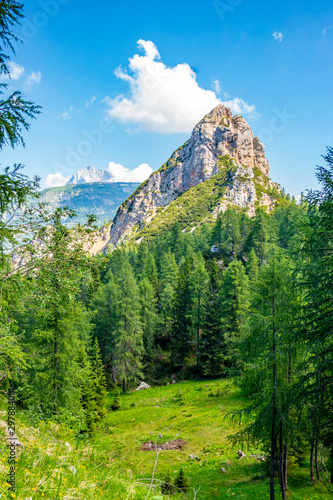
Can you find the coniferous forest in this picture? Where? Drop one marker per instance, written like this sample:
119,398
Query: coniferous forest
243,301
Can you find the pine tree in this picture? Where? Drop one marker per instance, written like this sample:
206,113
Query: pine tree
181,481
258,238
105,307
199,286
61,322
14,110
230,233
15,189
266,350
212,343
148,316
116,405
99,380
316,250
86,387
252,266
181,344
234,299
128,343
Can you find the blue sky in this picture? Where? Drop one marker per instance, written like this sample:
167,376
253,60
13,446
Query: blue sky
78,62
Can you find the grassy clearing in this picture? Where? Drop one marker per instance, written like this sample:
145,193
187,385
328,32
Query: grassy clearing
110,465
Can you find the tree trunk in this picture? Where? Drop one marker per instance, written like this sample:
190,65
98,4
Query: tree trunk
56,367
273,435
198,334
316,458
285,464
332,464
124,385
312,474
282,465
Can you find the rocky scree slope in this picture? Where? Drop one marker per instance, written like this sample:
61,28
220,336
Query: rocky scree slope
221,148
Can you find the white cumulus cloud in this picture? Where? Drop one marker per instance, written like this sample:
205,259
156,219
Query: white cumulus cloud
16,70
55,180
34,78
278,36
217,87
65,116
91,101
119,173
164,99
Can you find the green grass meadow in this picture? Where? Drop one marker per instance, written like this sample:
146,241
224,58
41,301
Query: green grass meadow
54,463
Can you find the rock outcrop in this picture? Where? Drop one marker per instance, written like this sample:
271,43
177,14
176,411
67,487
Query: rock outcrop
218,135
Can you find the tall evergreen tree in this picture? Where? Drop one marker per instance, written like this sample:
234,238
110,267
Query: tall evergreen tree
181,344
234,308
212,342
148,317
266,353
258,238
316,248
61,322
128,350
105,306
199,285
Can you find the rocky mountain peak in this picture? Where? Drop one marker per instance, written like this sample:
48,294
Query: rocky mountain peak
220,134
217,140
86,175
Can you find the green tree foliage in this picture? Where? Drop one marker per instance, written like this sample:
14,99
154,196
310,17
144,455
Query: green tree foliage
15,188
212,342
116,404
99,380
181,482
234,309
267,352
105,318
252,266
316,249
61,323
259,236
199,288
182,341
128,342
14,110
148,316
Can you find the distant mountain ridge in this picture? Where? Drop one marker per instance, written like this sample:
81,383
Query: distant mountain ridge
89,175
101,199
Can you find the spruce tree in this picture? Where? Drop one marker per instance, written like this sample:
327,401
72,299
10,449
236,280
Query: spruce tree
259,237
99,379
116,404
182,340
181,481
199,285
148,317
128,342
105,306
61,322
267,354
316,249
212,343
252,266
234,297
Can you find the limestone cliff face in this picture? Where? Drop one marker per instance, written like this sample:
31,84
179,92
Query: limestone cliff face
218,134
